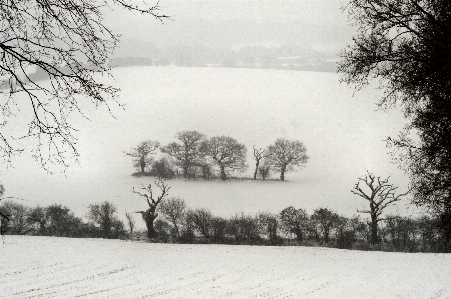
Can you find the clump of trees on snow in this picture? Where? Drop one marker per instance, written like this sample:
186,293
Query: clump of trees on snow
194,155
174,222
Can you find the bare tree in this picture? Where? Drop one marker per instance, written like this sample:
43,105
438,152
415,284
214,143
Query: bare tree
226,152
141,152
173,210
284,155
269,223
264,171
294,221
131,223
3,216
66,43
380,194
326,220
201,220
258,156
151,214
105,216
187,153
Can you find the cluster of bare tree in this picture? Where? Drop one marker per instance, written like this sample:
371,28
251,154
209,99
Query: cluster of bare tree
58,220
170,220
179,224
198,156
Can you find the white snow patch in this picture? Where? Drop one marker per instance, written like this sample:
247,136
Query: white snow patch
47,267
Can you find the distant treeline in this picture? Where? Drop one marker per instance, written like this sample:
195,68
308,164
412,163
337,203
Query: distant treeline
178,224
284,58
194,155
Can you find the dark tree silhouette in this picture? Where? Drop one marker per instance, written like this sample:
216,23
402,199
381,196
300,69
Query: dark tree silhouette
406,44
105,216
258,156
226,152
187,153
130,223
141,153
294,221
284,155
68,44
173,210
3,216
380,194
201,219
326,220
151,214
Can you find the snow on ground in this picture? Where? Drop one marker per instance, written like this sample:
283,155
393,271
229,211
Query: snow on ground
47,267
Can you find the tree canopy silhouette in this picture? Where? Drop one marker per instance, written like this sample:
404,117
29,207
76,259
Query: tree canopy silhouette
406,44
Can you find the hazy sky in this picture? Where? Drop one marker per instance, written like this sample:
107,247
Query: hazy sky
321,25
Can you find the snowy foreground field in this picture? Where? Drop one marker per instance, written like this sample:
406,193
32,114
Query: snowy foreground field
42,267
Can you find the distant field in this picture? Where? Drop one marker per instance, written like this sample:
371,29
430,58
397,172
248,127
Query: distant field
343,136
45,267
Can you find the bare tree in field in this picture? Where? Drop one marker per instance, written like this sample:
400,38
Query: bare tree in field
226,152
258,156
3,216
284,155
131,223
326,220
173,210
264,170
104,215
141,153
151,214
187,153
67,46
294,221
380,194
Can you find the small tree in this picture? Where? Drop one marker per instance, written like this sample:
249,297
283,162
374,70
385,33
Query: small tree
269,224
226,152
130,222
17,218
294,221
380,194
173,210
284,155
201,220
141,154
187,153
104,215
258,156
61,221
326,220
163,169
3,216
151,214
264,170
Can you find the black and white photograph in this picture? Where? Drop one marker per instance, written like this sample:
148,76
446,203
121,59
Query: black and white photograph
225,149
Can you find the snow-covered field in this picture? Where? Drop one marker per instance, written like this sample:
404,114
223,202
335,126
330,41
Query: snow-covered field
343,136
45,267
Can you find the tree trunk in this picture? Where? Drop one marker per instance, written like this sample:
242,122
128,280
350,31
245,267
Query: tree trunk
299,234
256,169
149,218
223,174
282,172
374,238
142,164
